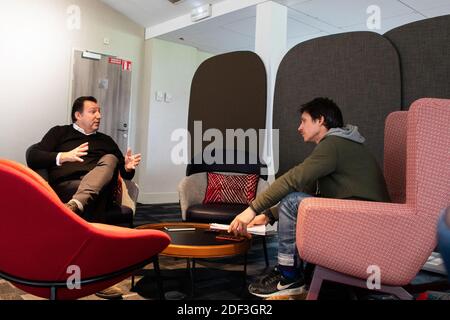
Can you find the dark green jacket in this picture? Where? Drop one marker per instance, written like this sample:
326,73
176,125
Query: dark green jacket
340,167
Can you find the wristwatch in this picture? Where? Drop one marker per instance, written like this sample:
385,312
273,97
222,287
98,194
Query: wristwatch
268,214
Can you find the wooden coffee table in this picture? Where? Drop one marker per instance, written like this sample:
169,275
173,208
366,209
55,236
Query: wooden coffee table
199,244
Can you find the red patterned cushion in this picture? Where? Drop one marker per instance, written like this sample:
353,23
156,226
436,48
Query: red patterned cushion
231,188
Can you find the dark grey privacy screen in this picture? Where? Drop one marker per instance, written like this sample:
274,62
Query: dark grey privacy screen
229,91
359,70
424,50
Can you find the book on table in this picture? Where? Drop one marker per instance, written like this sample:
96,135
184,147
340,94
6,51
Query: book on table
260,230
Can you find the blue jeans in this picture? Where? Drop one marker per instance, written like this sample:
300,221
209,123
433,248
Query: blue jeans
287,223
444,240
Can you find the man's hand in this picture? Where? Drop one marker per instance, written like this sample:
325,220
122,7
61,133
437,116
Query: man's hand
239,224
132,160
259,220
74,155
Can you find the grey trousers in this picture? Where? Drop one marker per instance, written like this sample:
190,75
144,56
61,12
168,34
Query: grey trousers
94,190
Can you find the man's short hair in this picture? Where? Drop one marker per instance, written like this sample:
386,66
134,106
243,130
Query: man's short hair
326,108
78,106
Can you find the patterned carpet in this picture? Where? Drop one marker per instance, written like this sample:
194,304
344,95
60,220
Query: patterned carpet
217,279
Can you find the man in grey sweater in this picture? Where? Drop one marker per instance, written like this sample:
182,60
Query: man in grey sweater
339,167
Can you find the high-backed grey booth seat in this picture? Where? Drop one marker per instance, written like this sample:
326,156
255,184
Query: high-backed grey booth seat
228,91
424,50
360,71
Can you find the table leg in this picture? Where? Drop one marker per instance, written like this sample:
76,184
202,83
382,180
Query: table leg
191,275
245,269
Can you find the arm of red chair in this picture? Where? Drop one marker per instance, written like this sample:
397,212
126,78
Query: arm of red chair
111,248
349,236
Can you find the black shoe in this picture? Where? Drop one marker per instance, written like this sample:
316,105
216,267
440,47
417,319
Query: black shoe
275,284
111,293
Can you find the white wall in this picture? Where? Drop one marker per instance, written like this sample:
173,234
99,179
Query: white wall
36,54
169,68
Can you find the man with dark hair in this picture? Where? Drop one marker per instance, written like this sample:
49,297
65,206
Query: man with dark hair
83,164
339,167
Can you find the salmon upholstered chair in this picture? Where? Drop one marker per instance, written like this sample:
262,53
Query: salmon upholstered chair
45,246
354,242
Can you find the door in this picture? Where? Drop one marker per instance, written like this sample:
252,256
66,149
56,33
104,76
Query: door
108,79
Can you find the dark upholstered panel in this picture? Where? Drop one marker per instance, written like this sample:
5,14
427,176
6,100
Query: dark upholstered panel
358,70
229,91
243,163
424,49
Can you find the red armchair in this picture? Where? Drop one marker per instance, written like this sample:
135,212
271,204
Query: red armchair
344,238
40,239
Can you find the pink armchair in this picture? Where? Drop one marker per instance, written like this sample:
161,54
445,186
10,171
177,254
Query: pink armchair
344,237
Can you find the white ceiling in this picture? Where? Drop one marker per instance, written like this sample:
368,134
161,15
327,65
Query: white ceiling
151,12
307,19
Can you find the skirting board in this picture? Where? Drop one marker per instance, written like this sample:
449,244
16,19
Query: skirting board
158,198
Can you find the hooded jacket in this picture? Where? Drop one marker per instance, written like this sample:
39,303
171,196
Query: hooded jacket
340,166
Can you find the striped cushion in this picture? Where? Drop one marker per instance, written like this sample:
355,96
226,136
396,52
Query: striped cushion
231,188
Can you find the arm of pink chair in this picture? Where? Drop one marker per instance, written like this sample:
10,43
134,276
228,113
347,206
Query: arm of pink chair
349,236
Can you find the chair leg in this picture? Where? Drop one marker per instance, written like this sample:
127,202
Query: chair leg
321,274
316,284
158,278
53,293
399,292
133,282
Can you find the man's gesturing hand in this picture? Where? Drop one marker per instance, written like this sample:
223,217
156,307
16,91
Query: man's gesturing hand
132,160
239,224
75,155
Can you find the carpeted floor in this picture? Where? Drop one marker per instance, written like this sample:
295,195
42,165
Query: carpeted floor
216,279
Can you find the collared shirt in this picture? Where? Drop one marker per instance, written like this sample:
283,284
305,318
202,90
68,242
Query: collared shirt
76,127
79,129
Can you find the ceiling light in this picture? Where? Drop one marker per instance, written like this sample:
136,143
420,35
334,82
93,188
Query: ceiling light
201,12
